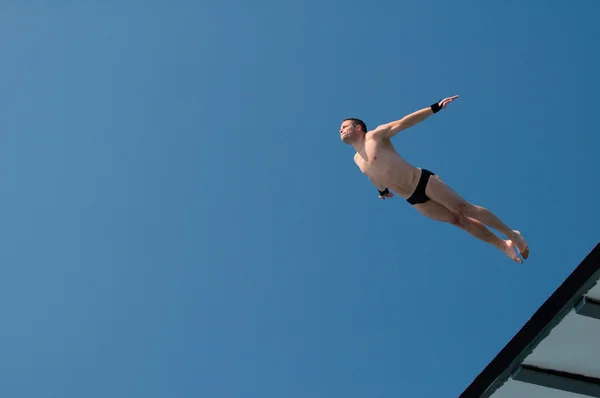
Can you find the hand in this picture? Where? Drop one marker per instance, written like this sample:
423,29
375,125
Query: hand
443,103
387,195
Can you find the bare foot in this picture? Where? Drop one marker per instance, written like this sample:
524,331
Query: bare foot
522,246
509,250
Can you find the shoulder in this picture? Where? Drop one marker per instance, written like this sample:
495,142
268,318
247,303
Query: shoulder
378,133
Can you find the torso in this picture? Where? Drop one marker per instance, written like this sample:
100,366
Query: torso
382,164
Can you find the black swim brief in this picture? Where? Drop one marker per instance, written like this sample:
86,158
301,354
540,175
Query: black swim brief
419,195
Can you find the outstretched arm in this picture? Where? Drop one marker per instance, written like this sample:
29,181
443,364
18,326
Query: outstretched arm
389,130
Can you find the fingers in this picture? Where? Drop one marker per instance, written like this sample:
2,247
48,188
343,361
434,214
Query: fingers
446,101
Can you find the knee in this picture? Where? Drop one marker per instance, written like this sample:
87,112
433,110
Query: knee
466,209
457,220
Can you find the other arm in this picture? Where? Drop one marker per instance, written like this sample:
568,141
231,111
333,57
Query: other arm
389,130
383,191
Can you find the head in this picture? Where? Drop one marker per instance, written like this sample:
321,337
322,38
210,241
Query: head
352,129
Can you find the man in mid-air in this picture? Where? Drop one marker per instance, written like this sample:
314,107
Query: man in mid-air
425,191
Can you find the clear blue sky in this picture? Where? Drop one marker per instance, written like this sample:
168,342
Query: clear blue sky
180,218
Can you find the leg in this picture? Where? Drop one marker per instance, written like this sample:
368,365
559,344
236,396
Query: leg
441,193
438,212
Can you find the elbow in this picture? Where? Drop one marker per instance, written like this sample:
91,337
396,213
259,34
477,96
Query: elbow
401,124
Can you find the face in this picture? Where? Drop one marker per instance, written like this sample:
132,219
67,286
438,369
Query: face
349,132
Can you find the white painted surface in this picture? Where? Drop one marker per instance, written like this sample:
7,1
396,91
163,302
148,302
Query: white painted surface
595,292
517,389
572,346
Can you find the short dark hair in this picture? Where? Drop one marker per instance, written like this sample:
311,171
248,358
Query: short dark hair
356,121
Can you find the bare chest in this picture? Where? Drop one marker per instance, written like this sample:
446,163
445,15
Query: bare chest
383,164
376,160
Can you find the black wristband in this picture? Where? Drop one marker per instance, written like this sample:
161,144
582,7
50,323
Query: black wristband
381,193
436,107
